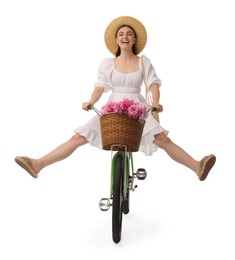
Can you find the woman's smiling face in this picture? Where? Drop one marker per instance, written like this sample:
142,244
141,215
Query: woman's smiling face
125,38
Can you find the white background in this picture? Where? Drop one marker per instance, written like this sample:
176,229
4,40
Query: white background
49,56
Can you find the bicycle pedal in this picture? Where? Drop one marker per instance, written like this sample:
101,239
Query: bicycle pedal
104,204
141,174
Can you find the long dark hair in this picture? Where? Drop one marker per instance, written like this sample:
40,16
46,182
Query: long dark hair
118,52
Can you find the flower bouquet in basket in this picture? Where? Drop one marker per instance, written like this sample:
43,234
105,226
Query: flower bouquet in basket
122,123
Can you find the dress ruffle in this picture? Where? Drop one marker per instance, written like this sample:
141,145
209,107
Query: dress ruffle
91,131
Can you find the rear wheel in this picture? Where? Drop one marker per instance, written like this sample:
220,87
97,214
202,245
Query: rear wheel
117,198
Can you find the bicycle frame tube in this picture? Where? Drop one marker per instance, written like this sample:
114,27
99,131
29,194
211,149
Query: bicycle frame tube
132,172
127,156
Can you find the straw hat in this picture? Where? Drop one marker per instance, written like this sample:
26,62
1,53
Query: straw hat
111,30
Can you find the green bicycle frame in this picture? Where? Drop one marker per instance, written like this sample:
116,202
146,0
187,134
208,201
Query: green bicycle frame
128,161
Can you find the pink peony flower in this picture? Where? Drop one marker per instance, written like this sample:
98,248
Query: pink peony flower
129,107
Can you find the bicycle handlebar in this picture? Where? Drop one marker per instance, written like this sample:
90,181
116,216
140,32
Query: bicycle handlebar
94,109
152,109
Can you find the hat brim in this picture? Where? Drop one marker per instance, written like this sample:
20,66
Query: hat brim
111,30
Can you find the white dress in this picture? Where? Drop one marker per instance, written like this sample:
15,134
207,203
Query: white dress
124,85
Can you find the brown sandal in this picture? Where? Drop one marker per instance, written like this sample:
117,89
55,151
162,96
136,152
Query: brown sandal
26,164
206,164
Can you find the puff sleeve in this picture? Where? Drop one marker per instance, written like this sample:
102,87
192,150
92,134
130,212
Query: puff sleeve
104,75
151,76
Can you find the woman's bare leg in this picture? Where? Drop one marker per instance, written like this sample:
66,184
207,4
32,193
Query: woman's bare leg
58,154
177,153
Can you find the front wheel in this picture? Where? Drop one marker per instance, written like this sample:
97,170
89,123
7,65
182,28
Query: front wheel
117,198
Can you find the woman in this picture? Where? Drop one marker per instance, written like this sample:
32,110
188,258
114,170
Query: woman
125,37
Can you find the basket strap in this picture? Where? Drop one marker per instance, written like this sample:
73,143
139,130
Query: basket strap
148,95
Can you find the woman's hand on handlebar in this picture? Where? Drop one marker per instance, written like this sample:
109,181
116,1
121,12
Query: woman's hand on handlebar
86,106
158,108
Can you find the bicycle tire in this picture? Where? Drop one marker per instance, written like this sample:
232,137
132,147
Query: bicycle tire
117,198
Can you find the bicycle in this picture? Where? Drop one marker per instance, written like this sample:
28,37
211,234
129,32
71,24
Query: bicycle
122,182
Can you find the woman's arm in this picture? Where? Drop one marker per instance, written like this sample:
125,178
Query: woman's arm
95,96
156,97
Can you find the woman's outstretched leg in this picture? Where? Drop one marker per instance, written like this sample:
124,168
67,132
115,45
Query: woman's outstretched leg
34,166
201,168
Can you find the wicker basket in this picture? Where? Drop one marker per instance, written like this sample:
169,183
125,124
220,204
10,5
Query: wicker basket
120,129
